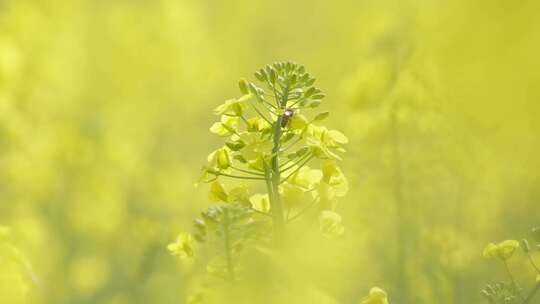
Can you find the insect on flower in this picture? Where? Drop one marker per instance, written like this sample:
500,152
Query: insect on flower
287,115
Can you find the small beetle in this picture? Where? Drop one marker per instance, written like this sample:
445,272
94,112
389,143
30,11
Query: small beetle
287,115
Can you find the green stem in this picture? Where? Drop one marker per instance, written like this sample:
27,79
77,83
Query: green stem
532,294
274,178
531,260
275,199
228,249
514,283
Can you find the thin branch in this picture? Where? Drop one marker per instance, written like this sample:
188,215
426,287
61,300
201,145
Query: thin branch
247,171
260,114
268,94
302,158
273,106
512,279
230,129
273,87
285,163
292,144
533,263
237,176
269,109
296,102
282,96
313,203
297,169
244,119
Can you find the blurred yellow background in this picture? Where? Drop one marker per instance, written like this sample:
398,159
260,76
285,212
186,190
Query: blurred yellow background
104,114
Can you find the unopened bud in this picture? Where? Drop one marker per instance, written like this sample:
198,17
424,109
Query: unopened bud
242,84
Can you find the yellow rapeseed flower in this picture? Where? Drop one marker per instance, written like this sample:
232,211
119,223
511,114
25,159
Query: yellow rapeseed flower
376,296
507,248
330,224
183,247
490,251
504,250
222,158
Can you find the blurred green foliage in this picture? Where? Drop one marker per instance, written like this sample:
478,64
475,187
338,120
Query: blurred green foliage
104,114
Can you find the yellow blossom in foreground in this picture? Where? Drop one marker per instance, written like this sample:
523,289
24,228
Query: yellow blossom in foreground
490,251
376,296
503,250
183,247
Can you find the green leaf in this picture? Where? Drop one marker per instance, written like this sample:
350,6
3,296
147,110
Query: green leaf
318,96
236,145
309,92
302,151
292,156
310,82
321,116
315,104
240,158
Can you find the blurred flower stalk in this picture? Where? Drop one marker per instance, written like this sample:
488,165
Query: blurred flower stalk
271,136
510,292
